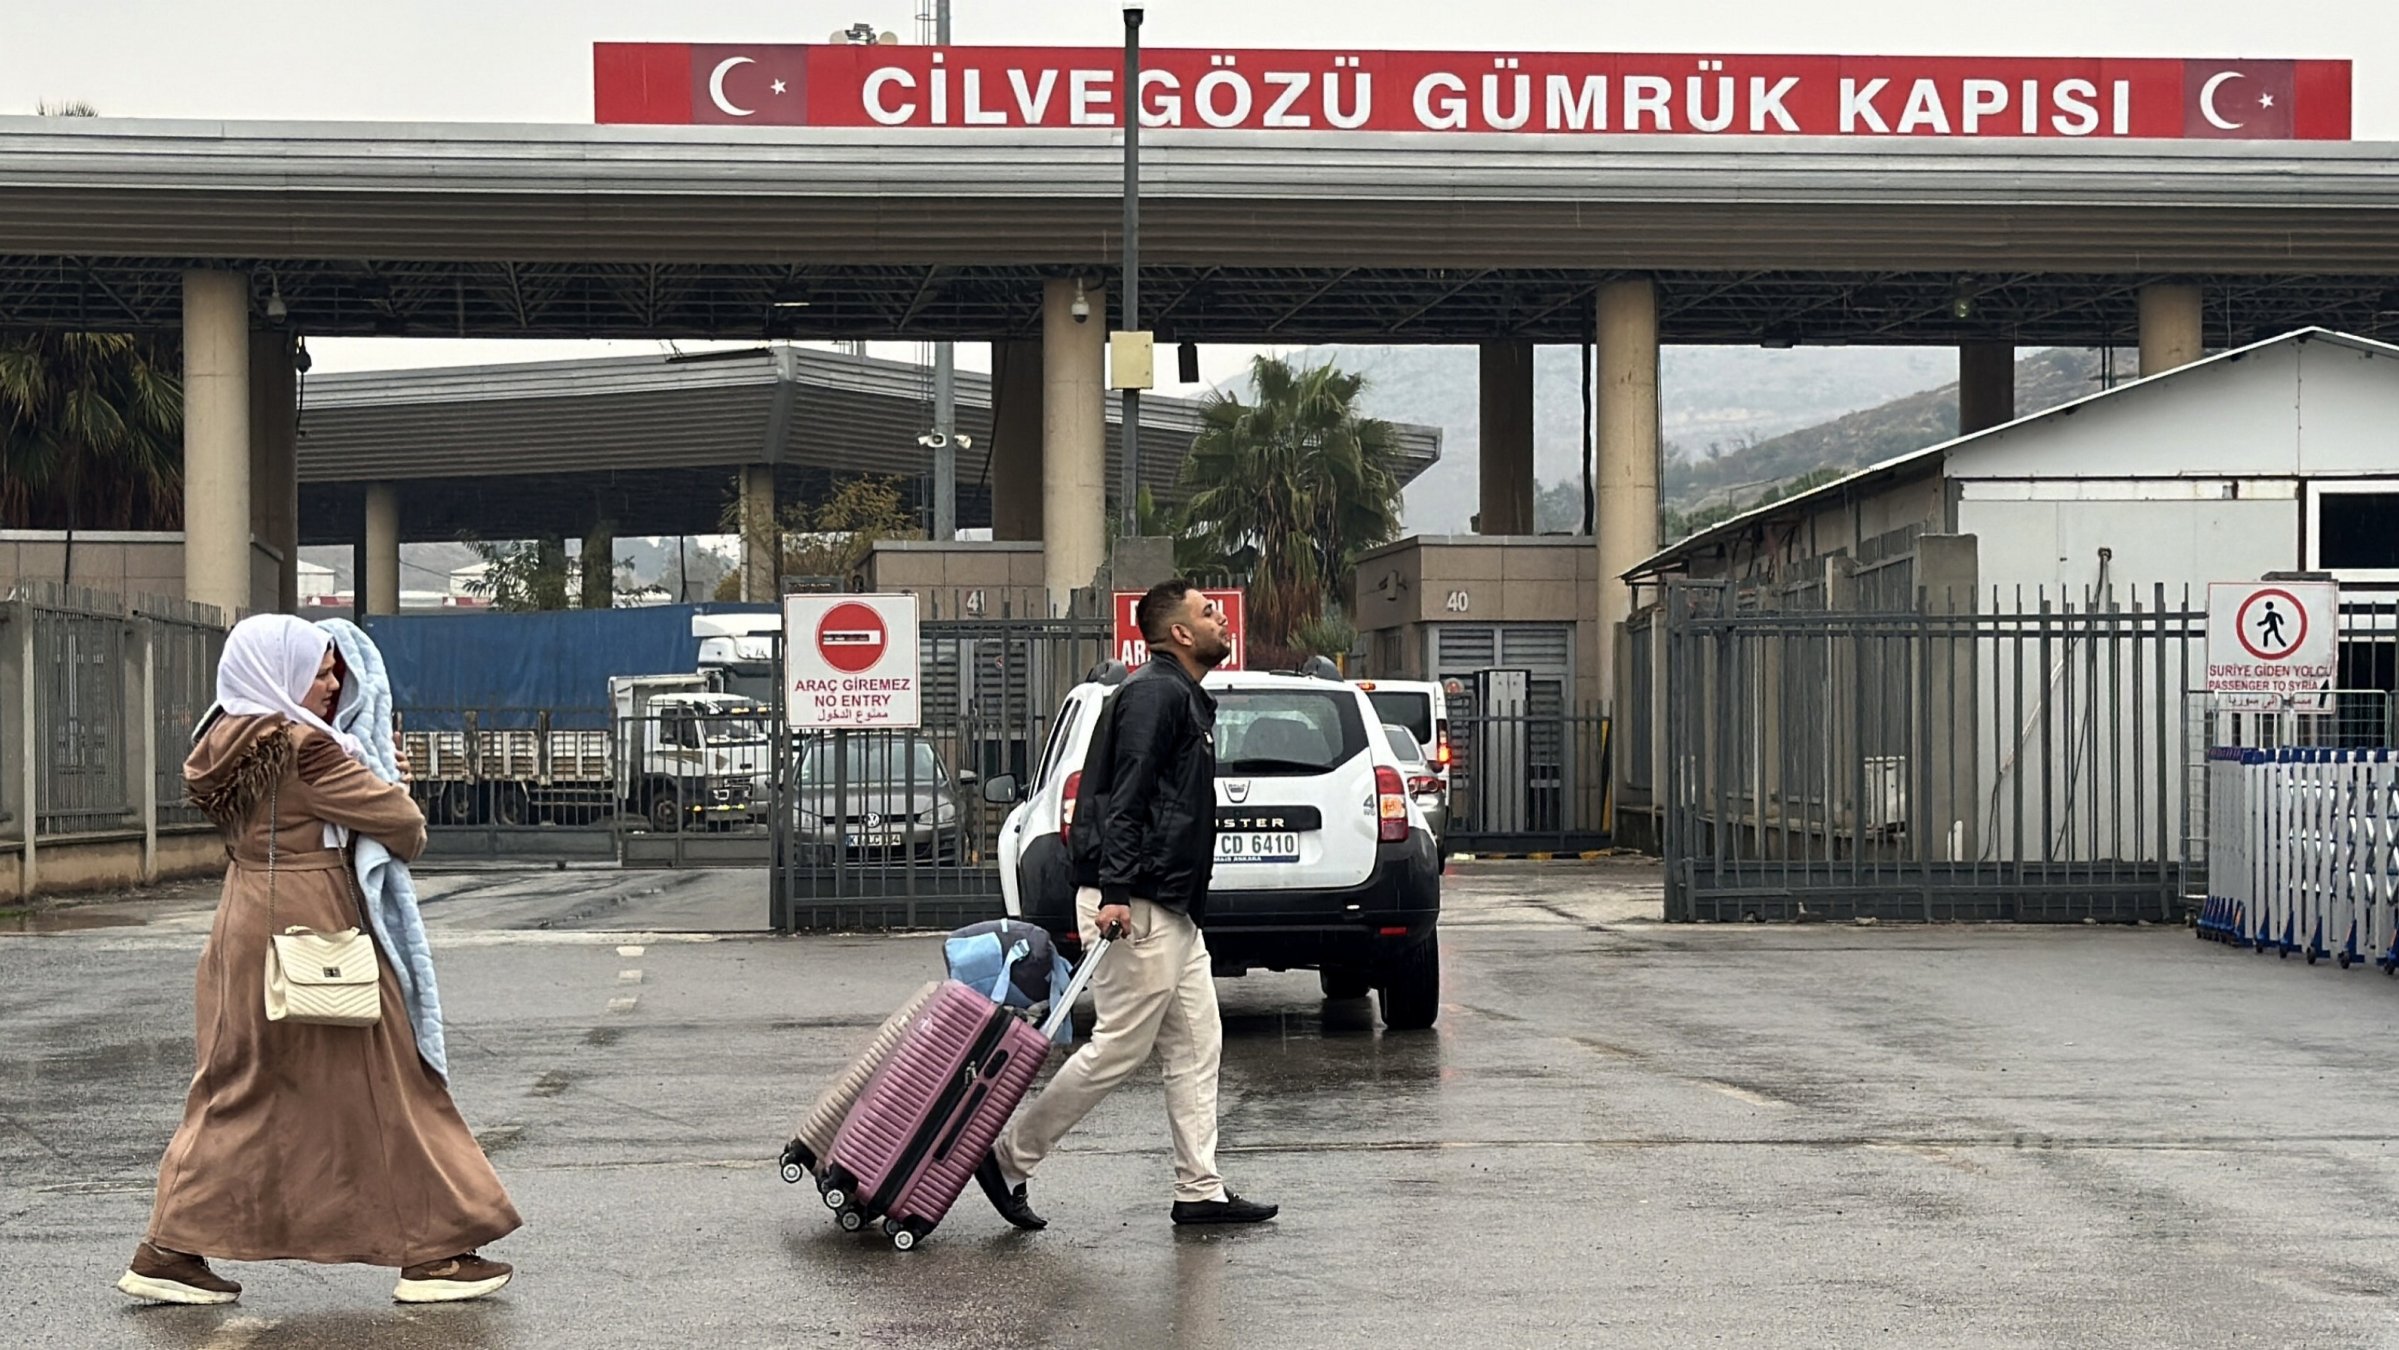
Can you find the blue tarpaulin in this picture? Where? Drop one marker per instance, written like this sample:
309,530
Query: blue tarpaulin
510,668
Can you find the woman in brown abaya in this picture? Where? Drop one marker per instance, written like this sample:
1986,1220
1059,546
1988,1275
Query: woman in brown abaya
305,1142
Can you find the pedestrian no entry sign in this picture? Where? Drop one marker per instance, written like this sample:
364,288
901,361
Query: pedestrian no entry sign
2272,644
851,662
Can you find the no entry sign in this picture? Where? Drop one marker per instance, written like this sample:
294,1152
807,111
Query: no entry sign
2271,644
851,637
851,661
1134,650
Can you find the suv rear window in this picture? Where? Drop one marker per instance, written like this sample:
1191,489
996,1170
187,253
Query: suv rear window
1403,708
1264,733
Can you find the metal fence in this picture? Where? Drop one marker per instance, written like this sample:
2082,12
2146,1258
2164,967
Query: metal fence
2004,756
98,699
876,829
1528,781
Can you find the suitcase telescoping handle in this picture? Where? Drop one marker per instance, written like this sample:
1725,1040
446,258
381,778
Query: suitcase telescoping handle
1064,1008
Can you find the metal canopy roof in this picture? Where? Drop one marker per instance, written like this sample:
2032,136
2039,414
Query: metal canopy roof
650,442
463,230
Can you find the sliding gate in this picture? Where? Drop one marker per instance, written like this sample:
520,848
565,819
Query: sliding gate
1998,757
889,829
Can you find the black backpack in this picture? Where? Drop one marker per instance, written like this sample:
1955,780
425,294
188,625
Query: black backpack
1091,800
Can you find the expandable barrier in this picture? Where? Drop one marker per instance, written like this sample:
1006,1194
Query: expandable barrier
2301,856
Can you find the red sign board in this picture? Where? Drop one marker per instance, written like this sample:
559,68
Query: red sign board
1134,650
1955,98
851,638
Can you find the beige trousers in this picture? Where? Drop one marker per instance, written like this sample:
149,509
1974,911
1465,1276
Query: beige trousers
1154,990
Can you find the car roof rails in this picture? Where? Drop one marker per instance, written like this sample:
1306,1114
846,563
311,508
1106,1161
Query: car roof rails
1110,673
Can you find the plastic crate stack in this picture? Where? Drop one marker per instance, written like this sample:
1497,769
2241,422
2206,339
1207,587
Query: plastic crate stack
2300,855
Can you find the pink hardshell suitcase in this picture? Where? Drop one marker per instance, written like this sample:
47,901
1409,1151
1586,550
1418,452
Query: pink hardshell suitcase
814,1138
910,1145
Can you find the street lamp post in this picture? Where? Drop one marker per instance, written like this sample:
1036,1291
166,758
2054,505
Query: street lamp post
945,385
1132,261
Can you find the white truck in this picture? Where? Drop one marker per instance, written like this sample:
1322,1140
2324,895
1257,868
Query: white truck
679,755
738,652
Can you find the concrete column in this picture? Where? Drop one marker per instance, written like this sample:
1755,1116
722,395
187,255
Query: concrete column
1986,385
1016,440
1626,364
274,458
2172,326
379,589
761,542
1507,438
1074,443
216,440
598,565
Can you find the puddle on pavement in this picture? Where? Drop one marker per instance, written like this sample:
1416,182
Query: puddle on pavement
67,920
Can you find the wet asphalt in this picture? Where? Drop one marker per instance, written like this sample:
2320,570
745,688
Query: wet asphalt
1621,1133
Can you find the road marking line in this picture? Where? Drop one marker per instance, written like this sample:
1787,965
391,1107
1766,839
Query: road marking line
630,952
625,1004
628,977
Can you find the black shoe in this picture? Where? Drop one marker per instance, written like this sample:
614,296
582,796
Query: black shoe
1010,1203
1231,1209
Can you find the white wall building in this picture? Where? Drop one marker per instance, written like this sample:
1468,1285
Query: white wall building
2278,457
2283,456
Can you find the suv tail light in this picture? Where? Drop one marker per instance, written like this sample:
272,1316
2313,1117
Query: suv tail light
1420,786
1391,805
1441,748
1066,808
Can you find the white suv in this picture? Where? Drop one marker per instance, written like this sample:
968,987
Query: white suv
1323,861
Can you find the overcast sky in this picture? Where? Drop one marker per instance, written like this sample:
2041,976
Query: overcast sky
530,61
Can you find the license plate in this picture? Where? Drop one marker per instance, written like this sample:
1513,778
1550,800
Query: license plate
1257,848
871,840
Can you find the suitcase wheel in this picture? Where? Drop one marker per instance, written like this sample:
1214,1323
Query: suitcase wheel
796,1160
904,1240
852,1221
836,1197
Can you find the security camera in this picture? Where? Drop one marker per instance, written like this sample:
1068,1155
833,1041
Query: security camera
1081,308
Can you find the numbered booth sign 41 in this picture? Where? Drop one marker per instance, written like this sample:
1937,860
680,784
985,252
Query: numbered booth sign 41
852,662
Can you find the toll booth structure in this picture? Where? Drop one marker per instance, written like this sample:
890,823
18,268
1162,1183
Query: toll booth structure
1508,625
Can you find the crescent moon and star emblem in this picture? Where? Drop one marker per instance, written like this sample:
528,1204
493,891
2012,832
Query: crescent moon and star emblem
2207,101
716,88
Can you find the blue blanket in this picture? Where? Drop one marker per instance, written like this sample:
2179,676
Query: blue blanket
391,903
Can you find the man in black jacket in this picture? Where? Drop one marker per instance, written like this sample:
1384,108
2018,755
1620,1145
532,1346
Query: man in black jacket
1143,845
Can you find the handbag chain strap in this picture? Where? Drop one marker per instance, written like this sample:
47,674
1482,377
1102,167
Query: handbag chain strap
273,821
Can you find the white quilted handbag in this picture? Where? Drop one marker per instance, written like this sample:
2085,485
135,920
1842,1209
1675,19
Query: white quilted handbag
323,979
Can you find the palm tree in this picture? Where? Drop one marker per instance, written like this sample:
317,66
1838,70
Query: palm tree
1297,483
91,432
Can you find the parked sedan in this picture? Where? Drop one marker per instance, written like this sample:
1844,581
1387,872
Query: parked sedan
1424,781
886,798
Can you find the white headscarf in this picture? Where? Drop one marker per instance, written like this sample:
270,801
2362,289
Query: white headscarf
269,662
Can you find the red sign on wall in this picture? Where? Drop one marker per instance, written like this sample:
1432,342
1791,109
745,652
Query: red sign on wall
1956,98
1134,650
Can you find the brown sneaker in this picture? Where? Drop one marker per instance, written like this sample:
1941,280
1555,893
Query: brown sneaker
160,1276
454,1280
